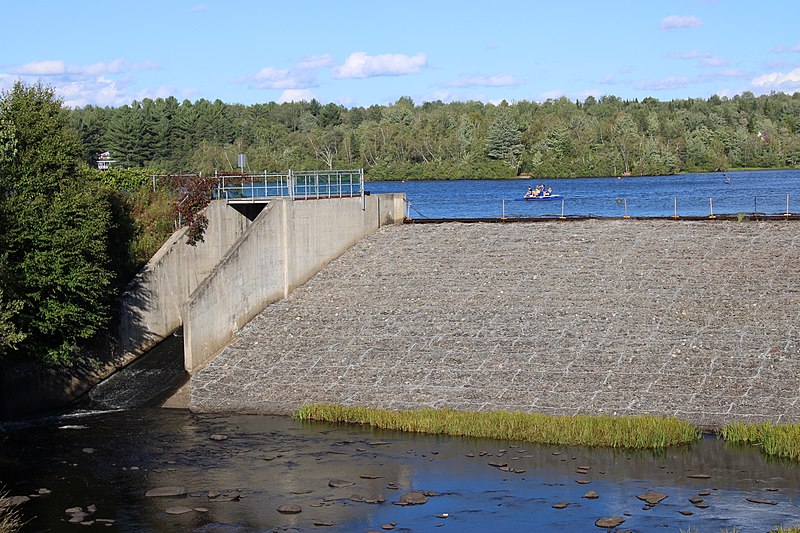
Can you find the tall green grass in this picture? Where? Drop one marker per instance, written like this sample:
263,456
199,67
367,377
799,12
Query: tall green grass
634,432
777,440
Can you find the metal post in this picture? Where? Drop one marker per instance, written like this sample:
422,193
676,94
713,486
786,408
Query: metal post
562,210
711,208
503,216
625,202
787,214
755,204
363,193
675,208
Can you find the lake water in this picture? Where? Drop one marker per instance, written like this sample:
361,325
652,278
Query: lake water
656,196
346,478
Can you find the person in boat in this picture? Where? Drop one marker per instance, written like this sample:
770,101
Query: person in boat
548,192
529,193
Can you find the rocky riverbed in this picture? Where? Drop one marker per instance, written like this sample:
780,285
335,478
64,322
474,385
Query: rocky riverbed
152,470
697,319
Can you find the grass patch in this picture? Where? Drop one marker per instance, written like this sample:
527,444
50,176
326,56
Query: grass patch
777,440
632,432
10,518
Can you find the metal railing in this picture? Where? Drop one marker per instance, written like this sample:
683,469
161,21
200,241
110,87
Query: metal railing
303,185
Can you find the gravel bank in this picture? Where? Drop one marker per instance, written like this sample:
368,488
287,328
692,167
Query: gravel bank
694,319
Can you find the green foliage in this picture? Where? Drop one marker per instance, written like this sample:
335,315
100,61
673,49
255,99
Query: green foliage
59,267
10,335
63,234
47,151
557,138
777,440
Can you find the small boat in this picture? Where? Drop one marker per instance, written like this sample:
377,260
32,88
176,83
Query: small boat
540,198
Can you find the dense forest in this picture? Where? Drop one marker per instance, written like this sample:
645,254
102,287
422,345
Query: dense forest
556,138
72,236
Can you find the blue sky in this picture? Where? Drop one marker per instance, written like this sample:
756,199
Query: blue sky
359,53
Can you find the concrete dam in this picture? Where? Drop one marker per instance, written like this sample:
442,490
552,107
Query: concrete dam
696,319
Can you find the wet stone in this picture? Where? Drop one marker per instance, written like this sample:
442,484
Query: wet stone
591,495
762,501
169,491
413,498
339,483
290,508
652,498
178,509
695,500
560,505
609,522
322,523
686,513
218,437
699,476
13,501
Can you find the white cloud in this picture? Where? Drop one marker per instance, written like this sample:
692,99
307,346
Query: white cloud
672,82
778,81
315,62
675,22
296,95
703,58
302,76
486,81
361,65
788,49
80,85
101,92
691,54
42,68
272,78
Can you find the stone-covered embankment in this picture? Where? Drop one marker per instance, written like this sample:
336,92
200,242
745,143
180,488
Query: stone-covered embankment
695,319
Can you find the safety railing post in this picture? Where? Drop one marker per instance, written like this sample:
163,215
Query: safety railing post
711,208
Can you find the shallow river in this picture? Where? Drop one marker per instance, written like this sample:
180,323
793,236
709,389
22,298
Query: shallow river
346,478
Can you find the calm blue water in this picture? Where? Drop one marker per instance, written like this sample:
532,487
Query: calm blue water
730,193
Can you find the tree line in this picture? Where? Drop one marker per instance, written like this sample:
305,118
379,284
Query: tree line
557,138
72,236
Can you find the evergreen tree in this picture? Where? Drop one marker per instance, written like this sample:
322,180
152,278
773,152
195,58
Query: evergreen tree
504,140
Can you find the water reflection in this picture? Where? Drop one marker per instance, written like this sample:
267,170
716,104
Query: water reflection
265,462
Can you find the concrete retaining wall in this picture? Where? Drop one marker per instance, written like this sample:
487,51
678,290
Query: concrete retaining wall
287,244
152,306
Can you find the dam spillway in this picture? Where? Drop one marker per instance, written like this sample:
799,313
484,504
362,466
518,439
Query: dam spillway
696,319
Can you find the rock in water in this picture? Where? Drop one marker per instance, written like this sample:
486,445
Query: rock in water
413,498
339,483
290,508
178,509
166,491
651,497
609,522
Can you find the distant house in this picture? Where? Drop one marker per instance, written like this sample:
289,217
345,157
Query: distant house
104,161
